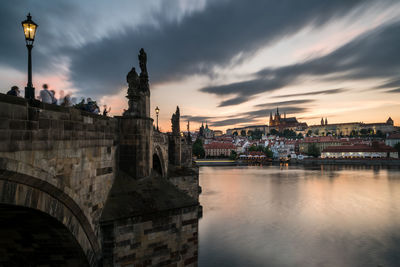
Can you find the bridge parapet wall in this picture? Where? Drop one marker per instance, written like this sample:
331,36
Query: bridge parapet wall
66,147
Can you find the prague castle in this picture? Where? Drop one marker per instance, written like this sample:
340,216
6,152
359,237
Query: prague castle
353,128
278,123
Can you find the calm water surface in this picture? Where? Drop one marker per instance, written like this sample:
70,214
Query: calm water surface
295,216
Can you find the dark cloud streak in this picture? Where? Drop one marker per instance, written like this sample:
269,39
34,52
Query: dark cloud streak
322,92
372,55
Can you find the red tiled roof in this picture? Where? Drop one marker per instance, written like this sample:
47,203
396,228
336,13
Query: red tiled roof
216,145
360,148
320,139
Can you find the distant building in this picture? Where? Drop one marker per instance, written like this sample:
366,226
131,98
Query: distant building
248,129
351,128
376,150
320,142
276,122
206,132
218,133
280,124
393,139
216,149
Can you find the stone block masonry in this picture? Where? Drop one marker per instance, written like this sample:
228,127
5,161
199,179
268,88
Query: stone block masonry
102,191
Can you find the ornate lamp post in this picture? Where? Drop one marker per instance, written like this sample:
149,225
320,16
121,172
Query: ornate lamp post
29,32
157,111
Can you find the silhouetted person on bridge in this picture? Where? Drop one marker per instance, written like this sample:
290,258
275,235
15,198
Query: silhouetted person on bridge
45,95
14,91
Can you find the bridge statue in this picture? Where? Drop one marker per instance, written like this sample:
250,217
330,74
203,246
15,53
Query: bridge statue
79,189
175,121
138,90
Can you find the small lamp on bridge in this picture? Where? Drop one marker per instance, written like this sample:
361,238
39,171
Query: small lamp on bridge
29,31
157,111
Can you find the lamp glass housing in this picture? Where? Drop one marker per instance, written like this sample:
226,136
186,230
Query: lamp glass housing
30,28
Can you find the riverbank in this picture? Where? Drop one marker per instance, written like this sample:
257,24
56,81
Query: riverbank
216,162
371,162
310,161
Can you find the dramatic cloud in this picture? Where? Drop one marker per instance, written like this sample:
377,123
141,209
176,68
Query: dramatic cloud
372,55
390,84
264,113
190,43
283,103
322,92
199,41
229,122
234,101
394,91
196,118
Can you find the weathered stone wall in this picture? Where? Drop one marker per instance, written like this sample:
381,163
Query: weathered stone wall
186,152
70,149
135,146
169,238
187,180
65,161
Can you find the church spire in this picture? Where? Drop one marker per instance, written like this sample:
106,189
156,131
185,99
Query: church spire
322,121
326,121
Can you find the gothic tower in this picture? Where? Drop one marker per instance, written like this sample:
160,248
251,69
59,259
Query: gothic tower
136,126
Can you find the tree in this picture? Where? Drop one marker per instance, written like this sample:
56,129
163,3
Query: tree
397,147
370,131
353,133
289,133
243,133
300,136
198,149
256,135
268,152
379,134
316,132
313,150
235,134
273,132
233,155
263,149
364,132
309,133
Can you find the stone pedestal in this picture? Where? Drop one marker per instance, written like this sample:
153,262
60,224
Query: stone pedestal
135,145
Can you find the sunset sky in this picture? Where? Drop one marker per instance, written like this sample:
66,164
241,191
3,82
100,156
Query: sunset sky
229,63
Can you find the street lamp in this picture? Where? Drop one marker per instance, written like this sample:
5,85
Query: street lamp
157,111
29,32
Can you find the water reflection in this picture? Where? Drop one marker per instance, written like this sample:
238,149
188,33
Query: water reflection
294,216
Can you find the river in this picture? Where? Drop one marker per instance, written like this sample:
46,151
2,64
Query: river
296,216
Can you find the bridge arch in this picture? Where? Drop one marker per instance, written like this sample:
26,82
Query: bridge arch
32,238
34,196
159,165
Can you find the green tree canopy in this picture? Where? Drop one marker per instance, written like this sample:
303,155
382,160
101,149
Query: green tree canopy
233,155
397,147
198,149
257,134
313,150
273,132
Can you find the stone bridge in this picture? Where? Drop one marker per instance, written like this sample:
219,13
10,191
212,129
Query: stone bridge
79,189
